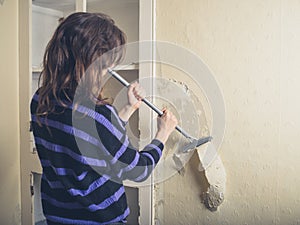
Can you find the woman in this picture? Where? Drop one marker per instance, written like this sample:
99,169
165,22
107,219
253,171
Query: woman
83,167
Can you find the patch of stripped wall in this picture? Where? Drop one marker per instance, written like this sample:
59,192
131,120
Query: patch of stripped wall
253,49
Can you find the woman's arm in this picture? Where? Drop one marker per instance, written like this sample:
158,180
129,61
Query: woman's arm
125,161
126,112
135,94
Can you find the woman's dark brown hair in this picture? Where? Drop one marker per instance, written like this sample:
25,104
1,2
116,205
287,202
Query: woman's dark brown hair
76,53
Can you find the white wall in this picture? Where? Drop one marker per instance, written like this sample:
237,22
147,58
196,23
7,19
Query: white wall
253,49
9,111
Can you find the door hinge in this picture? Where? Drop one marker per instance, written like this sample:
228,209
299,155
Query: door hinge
30,126
31,184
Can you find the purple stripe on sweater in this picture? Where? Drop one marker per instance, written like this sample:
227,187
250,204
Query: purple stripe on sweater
93,186
115,114
101,119
110,200
63,220
133,163
64,205
156,148
121,151
82,176
150,157
63,171
71,130
130,166
93,207
119,218
96,116
143,175
61,149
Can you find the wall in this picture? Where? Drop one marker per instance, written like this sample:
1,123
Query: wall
253,49
9,111
118,11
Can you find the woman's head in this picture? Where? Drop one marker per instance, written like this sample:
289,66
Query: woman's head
75,53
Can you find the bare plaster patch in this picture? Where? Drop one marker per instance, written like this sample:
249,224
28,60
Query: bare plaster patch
214,171
213,198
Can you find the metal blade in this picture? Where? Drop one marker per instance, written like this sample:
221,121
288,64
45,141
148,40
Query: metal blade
196,143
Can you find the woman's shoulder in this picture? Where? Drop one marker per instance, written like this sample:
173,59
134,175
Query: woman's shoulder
106,109
111,113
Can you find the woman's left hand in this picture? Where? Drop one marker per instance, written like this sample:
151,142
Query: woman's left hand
135,95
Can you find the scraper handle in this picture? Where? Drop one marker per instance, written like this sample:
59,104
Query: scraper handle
147,102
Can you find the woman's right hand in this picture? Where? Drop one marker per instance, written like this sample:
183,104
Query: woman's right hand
166,124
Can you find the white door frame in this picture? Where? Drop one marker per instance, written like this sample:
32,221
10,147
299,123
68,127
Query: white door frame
147,33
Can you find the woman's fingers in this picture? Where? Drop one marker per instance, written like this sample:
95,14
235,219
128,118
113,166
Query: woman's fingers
166,124
138,91
131,87
135,94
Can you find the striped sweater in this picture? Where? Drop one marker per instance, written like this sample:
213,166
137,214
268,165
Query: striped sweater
86,155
